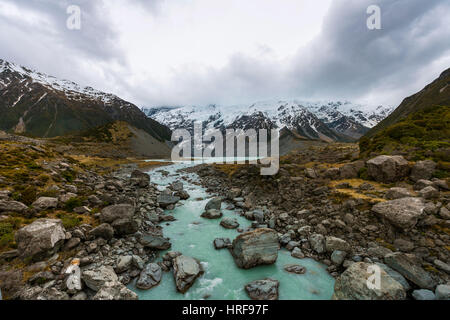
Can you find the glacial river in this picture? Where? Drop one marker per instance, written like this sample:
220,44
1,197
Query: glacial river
193,236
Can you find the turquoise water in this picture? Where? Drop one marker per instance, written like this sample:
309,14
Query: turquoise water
193,236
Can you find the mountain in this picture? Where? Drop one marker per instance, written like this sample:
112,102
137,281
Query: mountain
418,129
436,93
325,121
36,104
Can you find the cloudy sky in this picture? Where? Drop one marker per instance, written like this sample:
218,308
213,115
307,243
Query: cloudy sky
178,52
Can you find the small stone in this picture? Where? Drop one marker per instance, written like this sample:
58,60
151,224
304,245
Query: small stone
423,294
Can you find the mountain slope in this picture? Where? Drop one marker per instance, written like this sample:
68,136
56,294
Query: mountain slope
436,93
35,104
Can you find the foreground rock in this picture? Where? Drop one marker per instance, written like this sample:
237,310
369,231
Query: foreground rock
229,223
45,203
402,213
40,239
253,248
185,270
263,289
352,285
149,277
12,206
388,169
408,267
113,213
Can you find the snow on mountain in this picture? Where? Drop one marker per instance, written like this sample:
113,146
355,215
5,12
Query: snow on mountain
329,120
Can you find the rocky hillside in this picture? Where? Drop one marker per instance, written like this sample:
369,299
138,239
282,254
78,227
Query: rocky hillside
39,105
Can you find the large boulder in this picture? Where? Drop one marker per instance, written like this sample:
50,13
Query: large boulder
263,289
119,211
253,248
45,203
423,170
408,266
12,206
166,200
353,284
104,231
155,242
402,213
333,243
229,223
317,242
40,239
350,170
125,226
185,270
397,193
212,214
149,277
214,203
222,243
139,178
387,169
96,278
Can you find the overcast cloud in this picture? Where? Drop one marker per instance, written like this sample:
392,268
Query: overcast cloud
230,52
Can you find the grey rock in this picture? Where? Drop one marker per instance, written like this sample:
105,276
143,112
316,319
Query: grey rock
429,193
423,294
443,292
124,263
212,214
229,223
125,226
387,169
395,275
402,213
115,212
442,265
150,276
263,289
166,200
45,203
317,242
104,231
140,179
222,243
12,206
333,243
295,268
185,270
423,170
97,278
297,253
155,242
338,257
214,203
397,193
350,170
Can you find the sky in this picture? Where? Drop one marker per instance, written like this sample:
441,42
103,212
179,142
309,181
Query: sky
189,52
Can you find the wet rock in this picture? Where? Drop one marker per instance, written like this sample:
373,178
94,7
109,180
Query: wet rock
253,248
423,170
40,239
295,268
139,178
387,169
263,289
12,206
125,226
397,193
212,214
150,276
423,294
115,212
177,186
297,253
186,270
234,193
402,213
182,194
155,242
352,285
104,231
115,291
222,243
45,203
214,203
408,267
97,278
166,200
229,223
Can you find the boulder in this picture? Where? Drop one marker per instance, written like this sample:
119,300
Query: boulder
222,243
297,253
185,270
295,268
125,226
395,275
402,213
234,193
97,278
338,257
182,194
119,211
40,239
214,203
212,214
397,193
253,248
177,186
155,242
353,284
165,200
45,203
124,263
423,170
150,276
115,291
139,178
12,206
229,223
263,289
387,169
333,244
66,197
421,184
429,193
350,170
408,267
443,292
423,294
317,242
311,173
104,231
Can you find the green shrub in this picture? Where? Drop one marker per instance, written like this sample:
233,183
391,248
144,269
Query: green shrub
69,221
72,204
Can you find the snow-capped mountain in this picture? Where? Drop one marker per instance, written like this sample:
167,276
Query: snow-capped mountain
327,121
41,105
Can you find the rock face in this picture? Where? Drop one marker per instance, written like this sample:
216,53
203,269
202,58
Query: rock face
402,213
388,169
185,270
45,203
253,248
423,170
40,239
406,265
214,203
149,277
352,285
140,179
263,289
12,206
